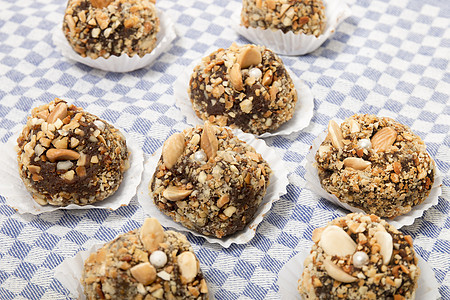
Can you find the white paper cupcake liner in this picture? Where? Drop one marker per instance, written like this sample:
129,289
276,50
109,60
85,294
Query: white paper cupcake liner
303,113
313,184
276,188
18,197
122,63
70,270
294,44
69,273
427,287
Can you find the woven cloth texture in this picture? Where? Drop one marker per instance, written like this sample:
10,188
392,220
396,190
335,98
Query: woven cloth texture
390,58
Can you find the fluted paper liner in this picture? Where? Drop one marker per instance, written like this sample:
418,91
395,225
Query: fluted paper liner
304,108
313,184
427,286
18,197
123,63
290,43
69,273
276,188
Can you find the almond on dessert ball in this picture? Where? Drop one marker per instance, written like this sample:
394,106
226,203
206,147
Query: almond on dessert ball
209,181
101,28
69,156
146,263
298,16
360,257
245,87
375,164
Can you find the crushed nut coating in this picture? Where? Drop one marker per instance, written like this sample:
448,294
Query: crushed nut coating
373,276
382,167
69,156
111,28
298,16
216,184
246,87
124,269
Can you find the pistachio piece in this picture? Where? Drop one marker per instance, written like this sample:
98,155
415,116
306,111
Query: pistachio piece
335,134
337,273
174,193
384,239
145,273
188,266
335,241
356,163
249,56
208,141
383,139
172,149
151,234
236,77
61,154
59,112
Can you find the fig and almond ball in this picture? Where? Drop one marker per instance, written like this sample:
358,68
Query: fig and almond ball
375,164
360,257
146,263
297,16
102,28
209,181
69,156
245,87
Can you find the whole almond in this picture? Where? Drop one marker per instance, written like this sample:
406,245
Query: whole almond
356,163
174,193
383,139
337,273
208,141
384,239
172,149
59,112
188,266
249,56
335,134
151,234
335,241
61,154
236,77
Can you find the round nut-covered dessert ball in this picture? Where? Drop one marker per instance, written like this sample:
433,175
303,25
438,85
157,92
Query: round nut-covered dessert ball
298,16
360,257
209,181
246,87
375,164
126,268
69,156
101,28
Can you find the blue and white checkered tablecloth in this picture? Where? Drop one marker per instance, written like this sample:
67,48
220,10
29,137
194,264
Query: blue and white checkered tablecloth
390,58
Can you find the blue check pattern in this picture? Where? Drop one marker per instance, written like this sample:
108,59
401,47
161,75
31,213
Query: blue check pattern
390,58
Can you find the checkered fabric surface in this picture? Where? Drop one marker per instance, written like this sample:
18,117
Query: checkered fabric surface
390,58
